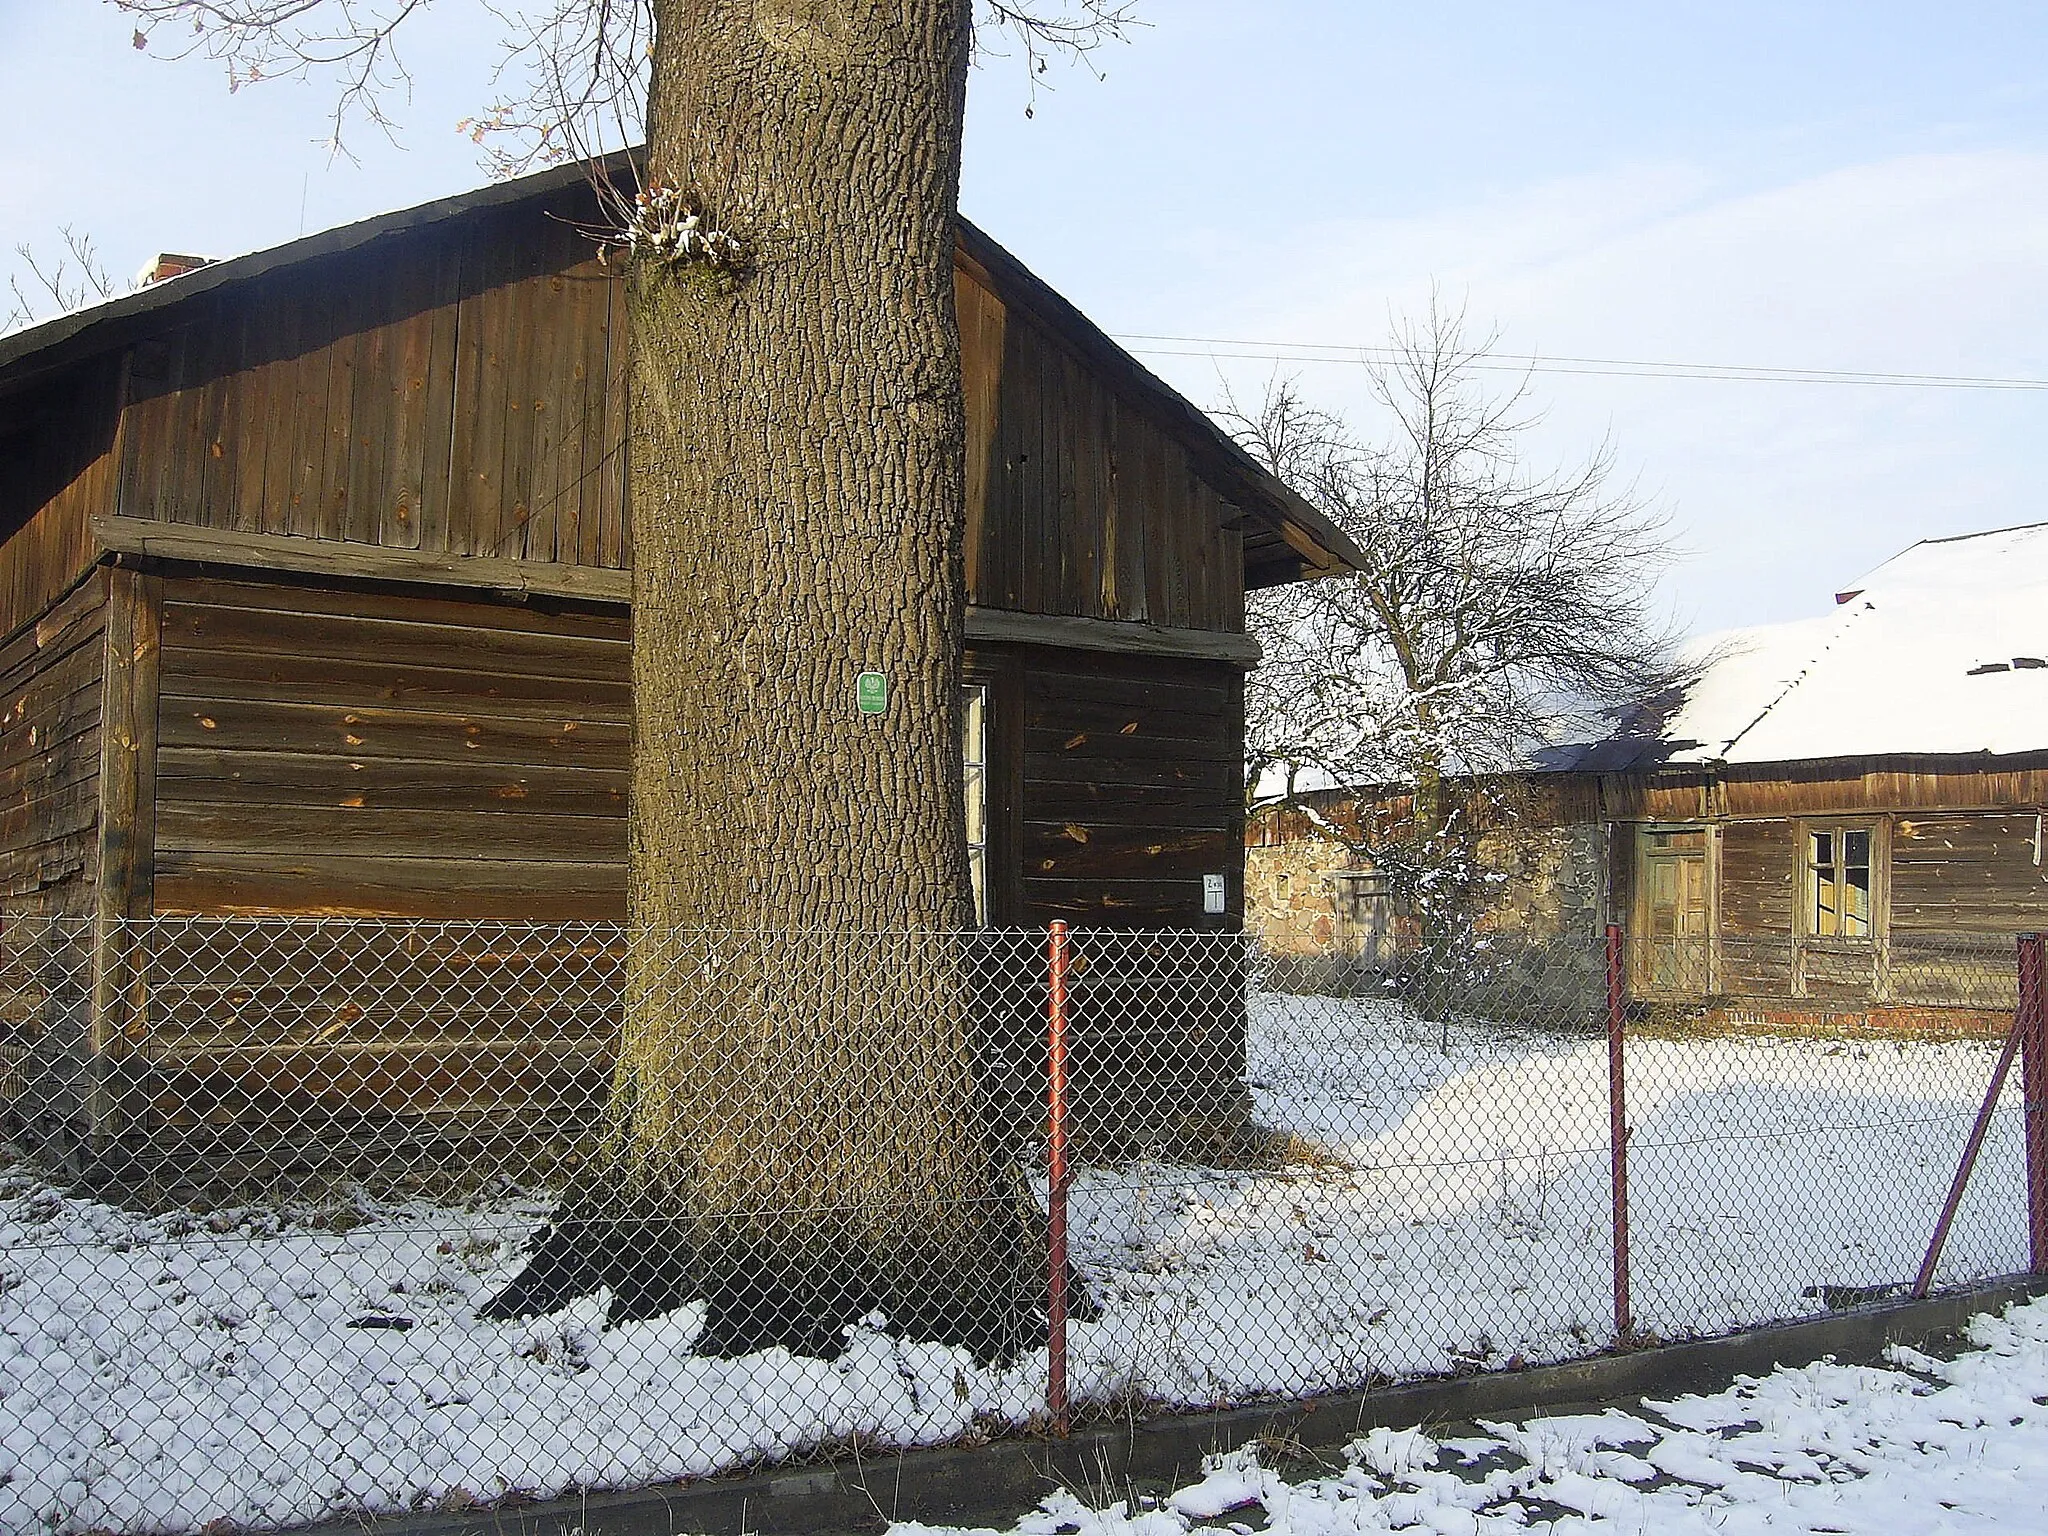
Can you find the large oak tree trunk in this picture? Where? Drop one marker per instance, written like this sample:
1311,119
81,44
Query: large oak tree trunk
796,1134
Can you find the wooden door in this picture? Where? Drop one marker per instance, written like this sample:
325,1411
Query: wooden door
1672,919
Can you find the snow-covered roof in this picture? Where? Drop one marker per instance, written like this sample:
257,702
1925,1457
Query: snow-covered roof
1941,650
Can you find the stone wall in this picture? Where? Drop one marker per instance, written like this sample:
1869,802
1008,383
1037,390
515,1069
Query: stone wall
1549,886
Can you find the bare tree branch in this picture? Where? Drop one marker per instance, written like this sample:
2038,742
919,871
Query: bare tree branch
1075,32
354,42
55,284
1499,609
573,73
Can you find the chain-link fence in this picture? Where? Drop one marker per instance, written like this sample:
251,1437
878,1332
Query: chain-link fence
326,1218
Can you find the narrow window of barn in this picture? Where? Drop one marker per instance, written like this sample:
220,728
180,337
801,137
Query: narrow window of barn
1838,878
974,755
1825,876
1856,884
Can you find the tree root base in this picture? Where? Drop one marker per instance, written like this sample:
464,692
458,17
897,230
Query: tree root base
982,1291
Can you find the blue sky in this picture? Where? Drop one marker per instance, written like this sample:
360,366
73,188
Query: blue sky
1822,186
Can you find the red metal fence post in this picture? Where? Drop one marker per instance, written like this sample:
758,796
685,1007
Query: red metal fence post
2033,1033
1056,1181
1924,1281
1617,1133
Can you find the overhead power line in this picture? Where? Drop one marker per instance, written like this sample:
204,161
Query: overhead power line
1229,349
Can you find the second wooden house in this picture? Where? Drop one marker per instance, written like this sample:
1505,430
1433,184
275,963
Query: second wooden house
1838,823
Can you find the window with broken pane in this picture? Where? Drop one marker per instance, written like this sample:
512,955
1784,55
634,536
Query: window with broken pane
1838,882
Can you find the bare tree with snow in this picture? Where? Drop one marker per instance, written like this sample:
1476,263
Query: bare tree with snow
1500,608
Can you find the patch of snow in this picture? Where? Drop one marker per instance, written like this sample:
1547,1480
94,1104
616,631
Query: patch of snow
161,1373
1929,1445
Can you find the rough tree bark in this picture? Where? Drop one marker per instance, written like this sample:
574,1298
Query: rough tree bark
796,1135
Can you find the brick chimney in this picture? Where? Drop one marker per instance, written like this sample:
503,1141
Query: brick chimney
170,265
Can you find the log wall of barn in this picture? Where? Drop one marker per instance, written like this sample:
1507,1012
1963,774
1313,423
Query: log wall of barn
1956,875
50,677
1132,776
351,753
1757,888
1981,873
50,768
329,752
354,753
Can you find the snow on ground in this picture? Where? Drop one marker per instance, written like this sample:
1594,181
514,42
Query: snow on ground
158,1373
1928,1445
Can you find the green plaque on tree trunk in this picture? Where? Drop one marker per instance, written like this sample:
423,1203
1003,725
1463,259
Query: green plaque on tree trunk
872,689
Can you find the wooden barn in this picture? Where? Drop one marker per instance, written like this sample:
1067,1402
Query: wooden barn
314,589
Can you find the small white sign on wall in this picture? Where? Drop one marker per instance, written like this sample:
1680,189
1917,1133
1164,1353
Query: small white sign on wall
1212,893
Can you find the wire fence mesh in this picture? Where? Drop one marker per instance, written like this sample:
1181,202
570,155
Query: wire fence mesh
317,1219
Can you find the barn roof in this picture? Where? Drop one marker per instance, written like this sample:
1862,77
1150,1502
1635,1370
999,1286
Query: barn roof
1942,650
1288,536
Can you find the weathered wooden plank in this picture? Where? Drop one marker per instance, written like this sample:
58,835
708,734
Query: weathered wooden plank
1077,850
981,367
1216,777
220,394
1055,802
1119,903
202,673
1026,512
326,556
193,775
283,397
422,735
564,506
1125,716
251,401
485,651
330,504
54,810
1001,627
41,707
249,884
461,611
419,448
64,624
1117,751
439,402
614,547
311,375
46,746
549,426
509,831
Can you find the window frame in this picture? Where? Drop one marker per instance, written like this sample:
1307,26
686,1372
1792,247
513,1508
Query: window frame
976,758
1824,897
1002,725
